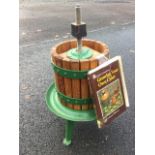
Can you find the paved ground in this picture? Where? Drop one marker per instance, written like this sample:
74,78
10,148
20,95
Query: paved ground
41,26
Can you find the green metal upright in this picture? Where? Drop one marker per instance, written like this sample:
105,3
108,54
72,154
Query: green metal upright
68,132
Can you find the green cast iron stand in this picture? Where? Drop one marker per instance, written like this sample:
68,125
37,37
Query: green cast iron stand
71,116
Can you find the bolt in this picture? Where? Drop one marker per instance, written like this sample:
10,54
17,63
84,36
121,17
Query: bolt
78,22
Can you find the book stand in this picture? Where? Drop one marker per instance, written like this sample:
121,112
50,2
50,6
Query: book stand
71,116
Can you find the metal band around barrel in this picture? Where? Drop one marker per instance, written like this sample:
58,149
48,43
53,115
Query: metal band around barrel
73,74
74,100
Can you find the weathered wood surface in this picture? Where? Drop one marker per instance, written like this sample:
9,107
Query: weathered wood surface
93,64
67,81
76,88
76,83
84,65
59,80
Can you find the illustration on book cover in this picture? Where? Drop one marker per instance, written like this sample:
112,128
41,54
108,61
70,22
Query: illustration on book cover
108,88
110,97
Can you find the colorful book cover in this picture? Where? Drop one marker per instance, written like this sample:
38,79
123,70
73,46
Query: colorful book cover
108,88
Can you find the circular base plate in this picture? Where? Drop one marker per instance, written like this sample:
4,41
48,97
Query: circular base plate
85,53
60,110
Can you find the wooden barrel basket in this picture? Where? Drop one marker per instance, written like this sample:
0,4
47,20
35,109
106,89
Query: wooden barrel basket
71,75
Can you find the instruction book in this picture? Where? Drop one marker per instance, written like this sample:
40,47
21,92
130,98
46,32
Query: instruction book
108,88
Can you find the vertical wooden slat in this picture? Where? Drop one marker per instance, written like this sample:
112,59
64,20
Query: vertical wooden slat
55,74
97,46
67,81
84,65
65,46
105,49
57,59
93,64
106,52
61,87
88,43
73,43
75,65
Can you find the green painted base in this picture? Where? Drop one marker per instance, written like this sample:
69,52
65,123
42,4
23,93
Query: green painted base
71,116
60,110
85,53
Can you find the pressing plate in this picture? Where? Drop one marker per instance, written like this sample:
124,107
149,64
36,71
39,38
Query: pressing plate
85,53
60,110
